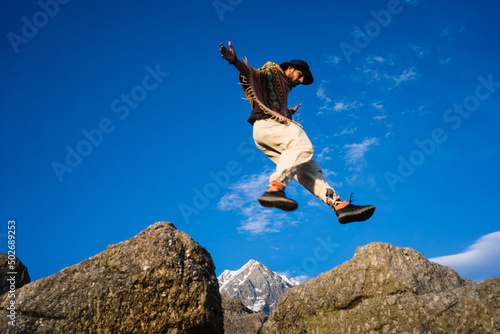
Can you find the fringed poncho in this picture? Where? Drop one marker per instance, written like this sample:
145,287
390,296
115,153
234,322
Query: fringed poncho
269,87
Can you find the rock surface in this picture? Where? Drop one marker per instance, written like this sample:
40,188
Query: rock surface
21,276
386,289
160,281
257,286
239,319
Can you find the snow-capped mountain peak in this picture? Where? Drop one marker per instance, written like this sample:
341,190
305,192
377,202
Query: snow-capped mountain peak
258,287
291,281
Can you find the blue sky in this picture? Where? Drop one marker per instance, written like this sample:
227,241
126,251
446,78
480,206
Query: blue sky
117,115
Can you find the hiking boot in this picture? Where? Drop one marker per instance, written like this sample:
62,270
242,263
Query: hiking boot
348,213
275,197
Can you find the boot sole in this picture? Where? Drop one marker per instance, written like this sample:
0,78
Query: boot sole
358,216
284,204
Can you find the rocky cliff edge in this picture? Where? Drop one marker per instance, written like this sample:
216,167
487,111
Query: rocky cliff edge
160,281
387,289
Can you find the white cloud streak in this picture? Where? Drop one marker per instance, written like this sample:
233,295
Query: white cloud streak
480,261
338,106
333,60
445,61
379,69
420,50
356,152
343,105
242,198
346,131
407,75
324,155
326,100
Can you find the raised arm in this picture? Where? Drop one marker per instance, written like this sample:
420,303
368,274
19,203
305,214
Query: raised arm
230,56
294,109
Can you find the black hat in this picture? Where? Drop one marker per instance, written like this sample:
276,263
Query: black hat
301,66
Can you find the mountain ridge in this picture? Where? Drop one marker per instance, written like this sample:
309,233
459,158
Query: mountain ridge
255,285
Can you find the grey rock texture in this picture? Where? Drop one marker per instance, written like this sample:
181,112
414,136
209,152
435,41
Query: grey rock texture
258,287
12,266
160,281
386,289
238,319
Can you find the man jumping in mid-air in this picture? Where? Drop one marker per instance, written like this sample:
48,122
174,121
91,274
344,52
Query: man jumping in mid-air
283,140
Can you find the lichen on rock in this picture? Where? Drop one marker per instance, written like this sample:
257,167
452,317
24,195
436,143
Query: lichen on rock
387,289
160,281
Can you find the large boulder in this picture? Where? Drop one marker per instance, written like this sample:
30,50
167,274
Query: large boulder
386,289
13,273
239,319
160,281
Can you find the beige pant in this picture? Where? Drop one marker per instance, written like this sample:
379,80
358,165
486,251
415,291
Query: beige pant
291,150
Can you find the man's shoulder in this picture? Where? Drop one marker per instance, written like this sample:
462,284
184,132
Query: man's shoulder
269,64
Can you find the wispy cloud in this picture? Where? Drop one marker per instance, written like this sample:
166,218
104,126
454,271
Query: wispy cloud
346,131
261,221
332,60
327,173
344,105
337,106
371,68
315,203
323,155
356,152
302,278
289,274
479,261
242,198
446,32
420,50
445,61
380,69
379,107
422,110
407,75
325,99
375,59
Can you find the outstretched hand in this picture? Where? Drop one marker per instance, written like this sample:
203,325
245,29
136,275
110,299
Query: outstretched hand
294,109
228,54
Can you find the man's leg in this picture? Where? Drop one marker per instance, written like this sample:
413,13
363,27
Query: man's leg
289,147
311,177
293,159
292,151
